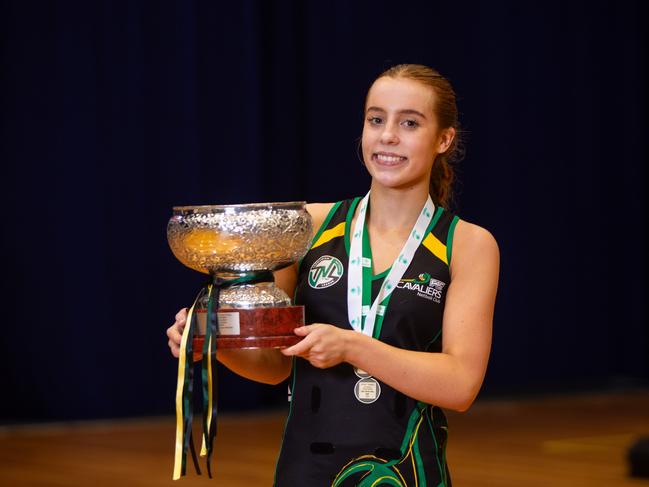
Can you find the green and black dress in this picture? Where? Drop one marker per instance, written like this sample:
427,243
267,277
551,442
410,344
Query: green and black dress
331,437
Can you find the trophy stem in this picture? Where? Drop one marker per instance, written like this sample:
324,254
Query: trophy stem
227,279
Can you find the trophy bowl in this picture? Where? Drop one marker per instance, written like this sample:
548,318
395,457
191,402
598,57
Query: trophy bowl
244,244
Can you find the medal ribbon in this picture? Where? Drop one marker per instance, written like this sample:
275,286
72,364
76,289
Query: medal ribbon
362,312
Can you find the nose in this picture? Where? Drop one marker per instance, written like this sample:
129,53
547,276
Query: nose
389,135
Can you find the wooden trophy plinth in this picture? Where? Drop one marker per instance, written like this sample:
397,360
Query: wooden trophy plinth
254,328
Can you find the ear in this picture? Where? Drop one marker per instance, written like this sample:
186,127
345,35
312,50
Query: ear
445,140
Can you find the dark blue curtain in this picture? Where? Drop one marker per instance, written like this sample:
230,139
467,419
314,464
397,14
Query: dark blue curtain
115,111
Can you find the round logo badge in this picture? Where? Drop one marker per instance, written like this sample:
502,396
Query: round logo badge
325,272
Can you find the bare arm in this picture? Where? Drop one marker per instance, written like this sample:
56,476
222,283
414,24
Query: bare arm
265,365
450,379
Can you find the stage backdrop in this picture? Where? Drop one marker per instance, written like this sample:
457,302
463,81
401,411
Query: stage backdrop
115,111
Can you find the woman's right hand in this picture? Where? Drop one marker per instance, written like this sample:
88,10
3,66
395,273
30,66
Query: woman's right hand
175,332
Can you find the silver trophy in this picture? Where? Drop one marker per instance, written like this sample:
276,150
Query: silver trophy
240,246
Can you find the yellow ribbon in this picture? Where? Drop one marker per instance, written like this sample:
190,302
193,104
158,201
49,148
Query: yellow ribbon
178,457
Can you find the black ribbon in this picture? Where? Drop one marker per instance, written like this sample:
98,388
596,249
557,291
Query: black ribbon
188,407
209,347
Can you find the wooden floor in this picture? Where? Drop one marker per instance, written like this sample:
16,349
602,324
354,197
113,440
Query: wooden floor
560,441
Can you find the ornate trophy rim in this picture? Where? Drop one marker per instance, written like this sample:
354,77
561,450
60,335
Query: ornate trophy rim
240,238
283,205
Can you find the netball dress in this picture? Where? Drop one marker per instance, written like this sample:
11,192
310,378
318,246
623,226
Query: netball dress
344,427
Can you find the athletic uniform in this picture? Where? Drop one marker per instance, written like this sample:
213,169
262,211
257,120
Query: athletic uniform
345,428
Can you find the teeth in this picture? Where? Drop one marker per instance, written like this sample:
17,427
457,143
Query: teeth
384,158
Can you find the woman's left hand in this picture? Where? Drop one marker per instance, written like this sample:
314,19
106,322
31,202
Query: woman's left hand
323,345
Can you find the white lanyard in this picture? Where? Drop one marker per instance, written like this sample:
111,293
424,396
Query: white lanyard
356,310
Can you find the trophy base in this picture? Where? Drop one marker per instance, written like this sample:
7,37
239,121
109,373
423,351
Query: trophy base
254,328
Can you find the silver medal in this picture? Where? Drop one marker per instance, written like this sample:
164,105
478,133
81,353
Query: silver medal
361,374
367,390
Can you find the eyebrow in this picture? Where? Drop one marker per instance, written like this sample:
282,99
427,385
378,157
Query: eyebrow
407,111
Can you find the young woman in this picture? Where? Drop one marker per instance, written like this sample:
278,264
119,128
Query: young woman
399,294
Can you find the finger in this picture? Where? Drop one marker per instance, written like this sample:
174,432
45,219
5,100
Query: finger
181,315
305,344
299,348
174,334
305,330
175,349
177,327
289,352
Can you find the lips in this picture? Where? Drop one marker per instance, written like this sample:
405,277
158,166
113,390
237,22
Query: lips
388,158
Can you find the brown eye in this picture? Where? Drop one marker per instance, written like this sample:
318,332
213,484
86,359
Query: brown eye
410,123
375,120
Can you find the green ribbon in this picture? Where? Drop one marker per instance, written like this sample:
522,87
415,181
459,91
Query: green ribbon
212,289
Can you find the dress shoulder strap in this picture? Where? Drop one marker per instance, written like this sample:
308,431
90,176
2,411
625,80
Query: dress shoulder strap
439,238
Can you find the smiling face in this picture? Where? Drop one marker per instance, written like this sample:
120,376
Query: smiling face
401,134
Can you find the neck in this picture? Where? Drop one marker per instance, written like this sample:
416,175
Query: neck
395,209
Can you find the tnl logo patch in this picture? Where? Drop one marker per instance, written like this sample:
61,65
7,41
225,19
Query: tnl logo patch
325,272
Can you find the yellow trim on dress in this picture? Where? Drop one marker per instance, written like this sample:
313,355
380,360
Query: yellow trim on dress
432,243
337,231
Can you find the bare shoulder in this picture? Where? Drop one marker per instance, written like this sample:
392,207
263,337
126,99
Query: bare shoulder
286,278
472,244
318,212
